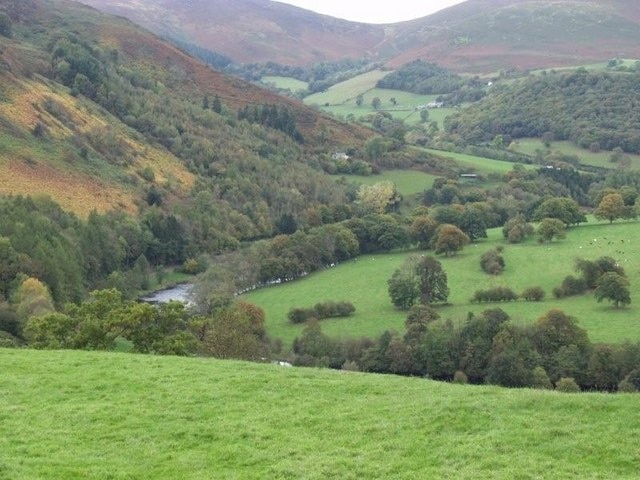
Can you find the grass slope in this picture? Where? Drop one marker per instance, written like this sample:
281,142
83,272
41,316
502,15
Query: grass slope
72,415
363,282
602,158
408,182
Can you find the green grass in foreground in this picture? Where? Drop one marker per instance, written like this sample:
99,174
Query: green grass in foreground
363,282
78,415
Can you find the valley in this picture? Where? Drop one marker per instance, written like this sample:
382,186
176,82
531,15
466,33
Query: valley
410,249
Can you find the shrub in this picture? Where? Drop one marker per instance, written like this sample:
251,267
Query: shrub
541,379
492,262
533,294
497,294
570,286
625,386
567,385
460,377
320,311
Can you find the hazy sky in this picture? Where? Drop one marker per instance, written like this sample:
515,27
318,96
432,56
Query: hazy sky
376,11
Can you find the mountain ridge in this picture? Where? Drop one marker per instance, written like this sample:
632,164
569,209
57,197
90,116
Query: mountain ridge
476,36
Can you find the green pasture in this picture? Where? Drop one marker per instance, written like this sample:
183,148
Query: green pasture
408,182
291,83
476,164
597,66
363,282
347,90
90,415
529,146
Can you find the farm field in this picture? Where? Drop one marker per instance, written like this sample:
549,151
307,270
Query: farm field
285,82
587,157
363,282
481,165
347,90
408,182
72,415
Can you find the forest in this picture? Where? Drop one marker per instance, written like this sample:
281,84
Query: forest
594,110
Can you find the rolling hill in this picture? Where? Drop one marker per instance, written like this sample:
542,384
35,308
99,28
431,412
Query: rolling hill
478,36
69,414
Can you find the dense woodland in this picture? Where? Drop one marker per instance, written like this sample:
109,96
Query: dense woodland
593,110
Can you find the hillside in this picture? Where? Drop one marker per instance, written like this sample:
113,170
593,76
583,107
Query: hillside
95,415
479,36
252,30
95,112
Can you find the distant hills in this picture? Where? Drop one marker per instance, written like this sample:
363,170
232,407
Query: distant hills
477,36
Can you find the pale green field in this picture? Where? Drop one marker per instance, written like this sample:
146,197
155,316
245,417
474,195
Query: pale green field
363,282
88,415
292,84
587,157
598,66
348,90
408,182
479,164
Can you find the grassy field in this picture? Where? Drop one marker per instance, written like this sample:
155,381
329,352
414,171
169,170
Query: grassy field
408,182
347,90
292,84
78,415
587,157
478,164
363,282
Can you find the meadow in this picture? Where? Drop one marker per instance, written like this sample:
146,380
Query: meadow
291,83
601,159
363,282
77,415
477,164
408,182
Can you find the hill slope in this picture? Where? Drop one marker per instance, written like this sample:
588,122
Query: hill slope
97,415
92,103
252,30
474,36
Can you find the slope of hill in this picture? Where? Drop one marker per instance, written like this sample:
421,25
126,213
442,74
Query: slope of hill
485,36
95,111
252,30
97,415
479,36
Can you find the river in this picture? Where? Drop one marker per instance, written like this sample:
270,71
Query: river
179,293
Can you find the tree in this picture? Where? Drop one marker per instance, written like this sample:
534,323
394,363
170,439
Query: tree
613,287
236,332
376,102
516,229
422,230
550,228
403,288
449,240
432,281
424,115
359,100
5,25
418,278
217,104
33,299
381,197
611,207
561,208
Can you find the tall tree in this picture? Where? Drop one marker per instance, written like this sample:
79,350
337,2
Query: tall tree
611,207
449,240
613,287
